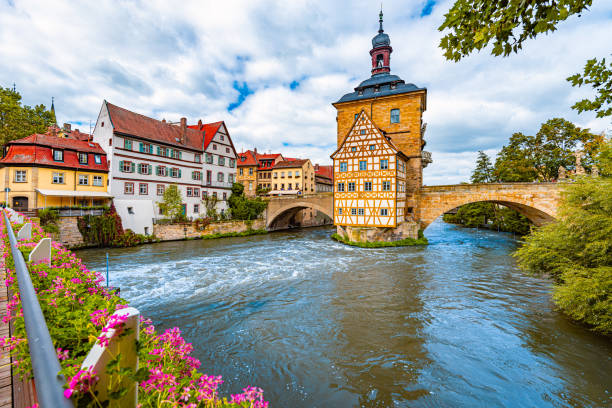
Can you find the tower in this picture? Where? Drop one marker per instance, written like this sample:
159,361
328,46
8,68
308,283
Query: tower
394,108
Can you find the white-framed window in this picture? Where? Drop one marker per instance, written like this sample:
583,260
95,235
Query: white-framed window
161,171
386,185
127,144
214,146
196,175
221,161
58,155
384,212
343,166
297,173
384,164
209,158
144,168
97,159
353,149
339,211
232,163
128,188
250,171
82,158
143,189
360,211
340,187
372,147
353,211
20,176
97,181
220,176
196,208
189,192
83,180
230,178
196,192
351,186
367,186
161,189
58,178
363,165
197,158
241,171
395,115
175,172
126,166
227,150
222,137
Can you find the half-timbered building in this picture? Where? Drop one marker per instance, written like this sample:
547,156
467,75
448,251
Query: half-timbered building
370,178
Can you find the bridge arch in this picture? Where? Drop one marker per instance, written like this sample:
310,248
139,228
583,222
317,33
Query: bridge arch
538,202
286,207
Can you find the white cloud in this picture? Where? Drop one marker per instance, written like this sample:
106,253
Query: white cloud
167,61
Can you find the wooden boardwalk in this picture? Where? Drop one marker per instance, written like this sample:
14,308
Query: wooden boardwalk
6,379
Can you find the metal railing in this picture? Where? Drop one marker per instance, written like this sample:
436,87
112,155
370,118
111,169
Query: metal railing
45,365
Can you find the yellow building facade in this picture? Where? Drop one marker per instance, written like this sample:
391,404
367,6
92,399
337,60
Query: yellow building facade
42,171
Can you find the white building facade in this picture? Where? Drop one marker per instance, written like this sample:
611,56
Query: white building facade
147,155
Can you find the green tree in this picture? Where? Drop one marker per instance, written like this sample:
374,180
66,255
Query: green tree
474,24
172,203
17,120
599,77
530,158
576,251
483,173
242,207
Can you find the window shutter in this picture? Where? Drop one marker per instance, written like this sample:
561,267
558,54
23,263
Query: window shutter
158,151
139,169
179,173
121,165
141,147
180,154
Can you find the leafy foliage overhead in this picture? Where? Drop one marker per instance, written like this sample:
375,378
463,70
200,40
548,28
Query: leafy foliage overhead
474,24
599,77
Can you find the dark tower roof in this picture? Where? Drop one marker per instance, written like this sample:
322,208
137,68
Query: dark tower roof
382,82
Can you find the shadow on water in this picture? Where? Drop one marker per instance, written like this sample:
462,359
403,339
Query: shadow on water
319,324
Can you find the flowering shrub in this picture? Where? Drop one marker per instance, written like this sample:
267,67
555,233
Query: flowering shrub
80,312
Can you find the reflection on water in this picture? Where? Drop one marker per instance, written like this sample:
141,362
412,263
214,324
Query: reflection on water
319,324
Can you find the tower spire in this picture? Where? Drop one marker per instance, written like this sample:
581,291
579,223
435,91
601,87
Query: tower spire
380,19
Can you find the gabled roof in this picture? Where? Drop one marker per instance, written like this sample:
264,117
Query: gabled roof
144,127
364,119
324,171
209,129
290,164
247,159
59,143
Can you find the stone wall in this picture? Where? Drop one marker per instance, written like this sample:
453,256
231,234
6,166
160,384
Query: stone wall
175,232
406,229
69,234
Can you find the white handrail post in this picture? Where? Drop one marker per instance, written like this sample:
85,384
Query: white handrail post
42,251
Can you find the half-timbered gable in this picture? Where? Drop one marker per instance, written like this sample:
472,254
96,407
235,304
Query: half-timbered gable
366,177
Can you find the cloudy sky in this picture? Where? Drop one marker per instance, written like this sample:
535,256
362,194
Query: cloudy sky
271,69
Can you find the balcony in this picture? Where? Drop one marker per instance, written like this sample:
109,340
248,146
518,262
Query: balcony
219,184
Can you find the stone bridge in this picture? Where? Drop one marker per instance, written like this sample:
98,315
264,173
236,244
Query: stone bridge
537,201
282,210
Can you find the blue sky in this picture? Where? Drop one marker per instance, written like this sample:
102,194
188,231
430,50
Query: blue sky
271,69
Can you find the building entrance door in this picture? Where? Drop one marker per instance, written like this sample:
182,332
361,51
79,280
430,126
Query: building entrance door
20,203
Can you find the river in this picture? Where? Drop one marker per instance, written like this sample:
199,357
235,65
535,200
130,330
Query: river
319,324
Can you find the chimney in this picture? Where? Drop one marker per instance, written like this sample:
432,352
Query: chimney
67,127
183,129
255,150
317,167
164,120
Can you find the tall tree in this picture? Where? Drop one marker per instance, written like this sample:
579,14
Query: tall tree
576,251
17,120
473,24
172,203
599,77
483,173
515,162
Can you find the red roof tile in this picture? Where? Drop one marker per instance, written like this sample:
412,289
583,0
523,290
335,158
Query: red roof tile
290,163
247,159
325,171
59,143
134,124
35,154
209,129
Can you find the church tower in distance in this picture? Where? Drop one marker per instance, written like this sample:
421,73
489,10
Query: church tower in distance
393,110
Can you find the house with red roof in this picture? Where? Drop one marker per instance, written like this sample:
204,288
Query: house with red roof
58,168
255,170
147,155
324,178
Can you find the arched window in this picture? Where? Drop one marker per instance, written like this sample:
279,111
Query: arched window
379,60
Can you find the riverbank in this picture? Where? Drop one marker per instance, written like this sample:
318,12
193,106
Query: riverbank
383,244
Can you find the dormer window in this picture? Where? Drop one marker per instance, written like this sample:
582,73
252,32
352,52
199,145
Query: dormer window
58,155
360,92
393,85
377,89
97,159
83,158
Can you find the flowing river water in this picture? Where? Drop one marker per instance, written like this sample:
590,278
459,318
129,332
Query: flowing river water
319,324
